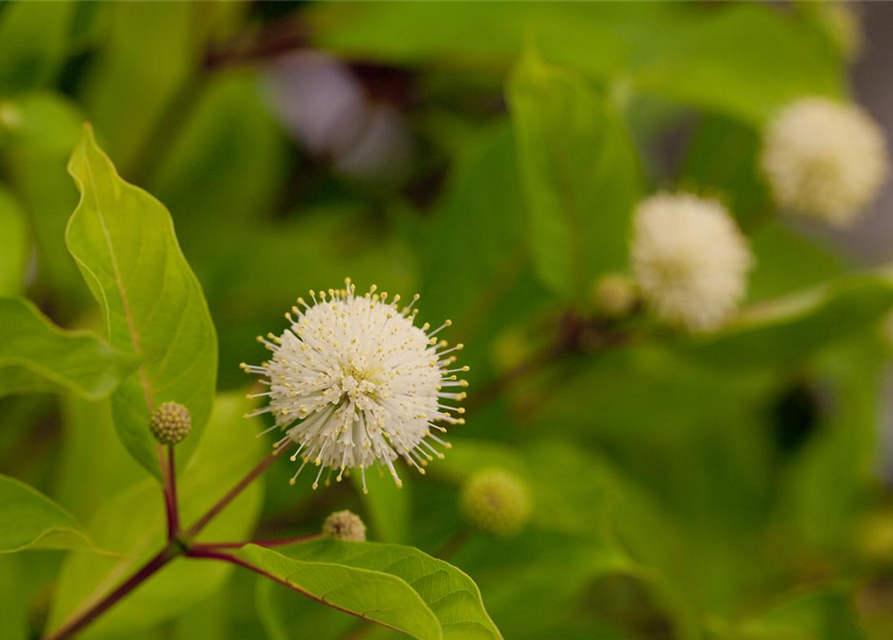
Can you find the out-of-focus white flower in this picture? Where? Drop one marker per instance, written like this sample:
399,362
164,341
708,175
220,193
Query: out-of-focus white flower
824,160
689,260
354,381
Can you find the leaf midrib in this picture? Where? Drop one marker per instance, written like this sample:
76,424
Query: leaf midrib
125,303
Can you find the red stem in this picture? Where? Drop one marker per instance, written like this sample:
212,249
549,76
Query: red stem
280,542
169,470
203,521
74,625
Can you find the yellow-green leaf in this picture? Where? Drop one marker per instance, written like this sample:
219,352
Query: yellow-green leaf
124,244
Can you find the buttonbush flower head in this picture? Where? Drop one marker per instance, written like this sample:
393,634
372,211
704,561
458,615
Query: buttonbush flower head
824,160
344,525
170,423
689,260
353,381
495,501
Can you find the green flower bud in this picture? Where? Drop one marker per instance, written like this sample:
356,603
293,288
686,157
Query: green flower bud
170,423
344,525
496,501
615,295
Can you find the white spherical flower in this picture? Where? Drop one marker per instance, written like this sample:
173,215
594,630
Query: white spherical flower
689,260
824,160
353,381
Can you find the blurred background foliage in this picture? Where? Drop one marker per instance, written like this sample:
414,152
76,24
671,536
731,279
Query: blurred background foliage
731,487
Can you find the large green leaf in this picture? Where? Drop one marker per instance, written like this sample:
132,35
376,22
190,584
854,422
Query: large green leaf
372,595
124,243
396,585
689,53
132,523
782,332
36,355
579,171
13,246
30,520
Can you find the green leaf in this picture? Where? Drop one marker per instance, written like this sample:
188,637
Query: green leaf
479,229
228,163
825,613
34,153
579,172
36,355
674,50
14,247
14,621
89,441
782,332
33,43
371,595
425,597
153,306
132,524
30,520
388,506
147,59
710,61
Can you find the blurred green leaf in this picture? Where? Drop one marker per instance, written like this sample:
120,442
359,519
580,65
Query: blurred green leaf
33,43
722,160
124,243
135,77
699,55
132,523
388,506
782,332
14,621
34,154
451,595
30,520
15,246
820,614
828,481
786,261
228,163
709,60
89,442
36,355
580,174
473,250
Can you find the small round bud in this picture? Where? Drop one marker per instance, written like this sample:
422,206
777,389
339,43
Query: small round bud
10,115
344,525
170,423
496,501
615,295
874,537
